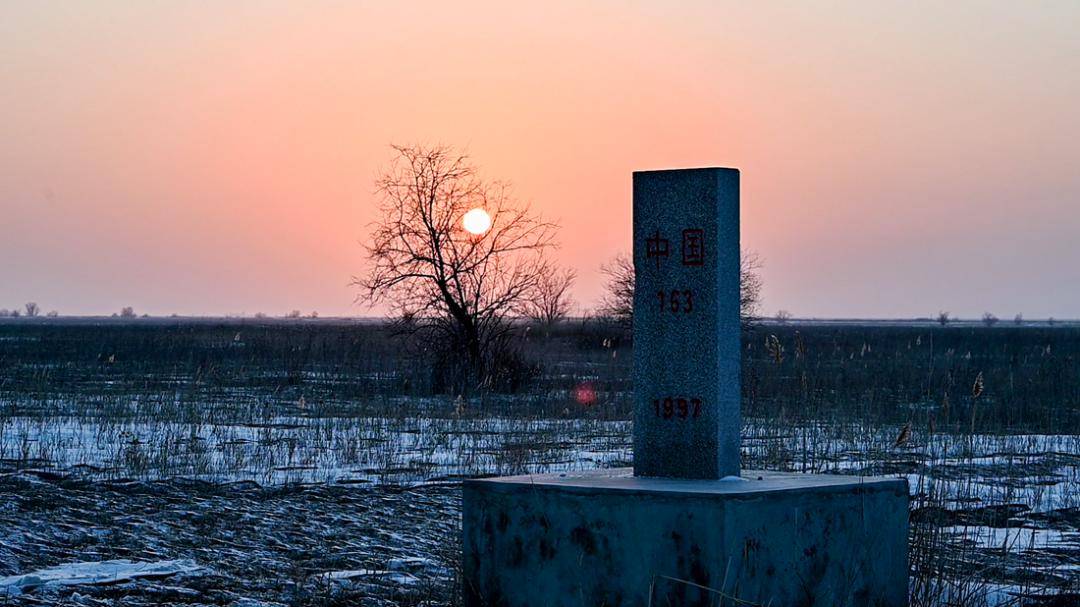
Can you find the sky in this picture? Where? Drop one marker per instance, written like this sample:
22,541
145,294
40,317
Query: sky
897,158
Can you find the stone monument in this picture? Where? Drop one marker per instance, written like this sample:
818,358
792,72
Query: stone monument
686,323
685,527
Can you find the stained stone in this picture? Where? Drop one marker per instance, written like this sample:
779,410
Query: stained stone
686,323
604,538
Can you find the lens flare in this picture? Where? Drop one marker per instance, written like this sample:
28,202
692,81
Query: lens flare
585,394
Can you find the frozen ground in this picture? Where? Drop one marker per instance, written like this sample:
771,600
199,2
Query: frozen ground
297,449
310,510
94,573
193,542
256,464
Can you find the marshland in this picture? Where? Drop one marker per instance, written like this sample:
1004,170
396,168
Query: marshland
319,462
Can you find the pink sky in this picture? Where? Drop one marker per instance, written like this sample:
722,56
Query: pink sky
897,158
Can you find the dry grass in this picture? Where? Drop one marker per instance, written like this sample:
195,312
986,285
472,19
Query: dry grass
982,421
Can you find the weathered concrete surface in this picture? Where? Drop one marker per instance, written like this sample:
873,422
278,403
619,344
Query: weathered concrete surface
609,538
686,323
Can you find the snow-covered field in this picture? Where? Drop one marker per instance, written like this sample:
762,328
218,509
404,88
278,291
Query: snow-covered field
284,450
255,465
1007,505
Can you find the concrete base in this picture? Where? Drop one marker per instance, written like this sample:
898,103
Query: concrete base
609,538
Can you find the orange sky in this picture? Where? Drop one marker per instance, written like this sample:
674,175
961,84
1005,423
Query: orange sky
897,158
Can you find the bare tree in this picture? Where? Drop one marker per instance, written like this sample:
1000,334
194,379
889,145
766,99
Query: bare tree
127,312
293,314
618,301
1018,319
989,319
552,301
32,309
458,287
749,287
53,314
782,316
943,318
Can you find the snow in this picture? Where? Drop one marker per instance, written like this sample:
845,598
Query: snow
398,571
1019,538
397,577
287,449
94,573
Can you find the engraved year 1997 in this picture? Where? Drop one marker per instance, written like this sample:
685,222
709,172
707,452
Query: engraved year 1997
677,407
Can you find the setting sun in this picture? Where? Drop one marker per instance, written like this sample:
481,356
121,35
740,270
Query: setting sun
476,221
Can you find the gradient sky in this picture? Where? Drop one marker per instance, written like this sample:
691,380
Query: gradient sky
898,158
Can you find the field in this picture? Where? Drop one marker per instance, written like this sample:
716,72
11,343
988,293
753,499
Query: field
317,463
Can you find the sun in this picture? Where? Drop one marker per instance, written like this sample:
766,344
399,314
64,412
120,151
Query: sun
476,221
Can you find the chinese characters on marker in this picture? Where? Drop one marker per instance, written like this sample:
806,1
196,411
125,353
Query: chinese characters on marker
656,247
677,301
693,247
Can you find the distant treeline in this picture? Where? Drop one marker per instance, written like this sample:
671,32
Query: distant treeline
986,378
